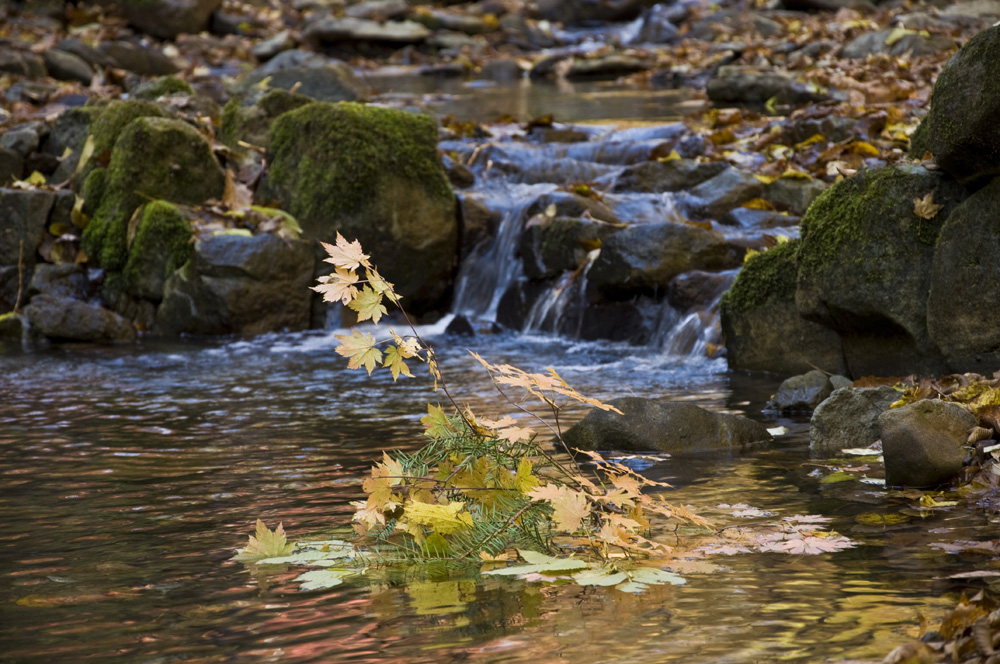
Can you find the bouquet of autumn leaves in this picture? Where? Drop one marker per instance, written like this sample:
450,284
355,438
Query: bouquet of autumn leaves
480,486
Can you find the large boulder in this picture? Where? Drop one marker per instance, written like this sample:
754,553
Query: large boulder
161,244
371,174
922,442
865,262
168,18
66,319
801,393
153,158
239,284
965,284
551,245
761,325
642,259
962,128
670,175
849,418
673,427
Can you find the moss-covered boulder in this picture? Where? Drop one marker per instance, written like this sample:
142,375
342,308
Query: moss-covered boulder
154,158
963,132
864,266
644,258
761,325
372,174
112,119
240,284
965,284
162,86
248,117
160,245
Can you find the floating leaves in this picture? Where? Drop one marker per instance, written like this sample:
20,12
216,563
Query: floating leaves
265,543
634,580
323,579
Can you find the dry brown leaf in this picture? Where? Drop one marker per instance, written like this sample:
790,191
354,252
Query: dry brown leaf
925,207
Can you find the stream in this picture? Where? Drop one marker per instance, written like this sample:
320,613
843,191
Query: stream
129,476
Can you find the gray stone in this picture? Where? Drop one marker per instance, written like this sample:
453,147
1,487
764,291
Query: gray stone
63,281
644,258
272,46
551,245
658,25
248,116
715,197
168,18
697,289
733,84
11,166
963,132
65,319
610,66
22,140
333,30
22,63
87,53
23,216
673,427
69,131
840,381
239,284
672,175
801,393
66,66
922,442
793,195
378,10
865,264
962,318
589,11
849,418
310,74
911,43
137,58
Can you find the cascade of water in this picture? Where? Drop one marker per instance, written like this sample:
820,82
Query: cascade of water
487,273
548,311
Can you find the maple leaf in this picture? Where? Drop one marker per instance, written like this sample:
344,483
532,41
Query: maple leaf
524,480
408,346
569,506
338,286
360,350
380,285
394,361
390,469
436,422
346,255
444,519
925,207
266,544
368,304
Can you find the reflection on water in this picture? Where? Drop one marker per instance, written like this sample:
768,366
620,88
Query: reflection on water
130,475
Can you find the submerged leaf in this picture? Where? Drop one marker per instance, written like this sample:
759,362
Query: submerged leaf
539,563
325,578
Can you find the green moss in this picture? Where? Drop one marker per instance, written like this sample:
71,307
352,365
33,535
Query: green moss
93,190
368,144
154,158
162,86
766,277
162,243
249,117
920,140
115,117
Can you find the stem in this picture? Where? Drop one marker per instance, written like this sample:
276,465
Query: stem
479,545
20,279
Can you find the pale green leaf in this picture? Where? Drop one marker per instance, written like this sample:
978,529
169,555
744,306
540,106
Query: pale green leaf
394,360
599,577
653,576
539,563
323,578
368,304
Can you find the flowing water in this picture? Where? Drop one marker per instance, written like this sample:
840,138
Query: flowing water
128,477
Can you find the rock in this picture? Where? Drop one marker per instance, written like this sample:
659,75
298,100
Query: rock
153,158
761,325
551,245
378,10
833,128
643,259
964,282
248,117
22,63
69,132
437,19
161,245
715,197
672,175
13,327
310,74
922,442
166,19
13,282
24,214
591,11
65,66
87,53
740,85
865,264
372,174
610,66
793,195
23,139
479,223
336,30
162,86
658,25
272,46
65,319
460,175
673,427
137,58
108,124
962,131
239,284
11,166
912,43
62,281
631,322
849,418
569,204
801,393
461,327
501,70
697,289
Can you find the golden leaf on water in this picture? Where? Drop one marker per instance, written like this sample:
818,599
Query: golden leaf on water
265,543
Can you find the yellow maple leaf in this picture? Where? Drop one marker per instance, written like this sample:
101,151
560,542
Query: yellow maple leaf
368,304
338,286
569,506
380,285
524,480
394,361
436,422
346,255
925,207
389,468
360,350
265,543
444,519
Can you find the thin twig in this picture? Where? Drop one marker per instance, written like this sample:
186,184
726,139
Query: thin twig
20,279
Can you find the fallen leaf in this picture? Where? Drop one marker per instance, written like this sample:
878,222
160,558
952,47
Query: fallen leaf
925,207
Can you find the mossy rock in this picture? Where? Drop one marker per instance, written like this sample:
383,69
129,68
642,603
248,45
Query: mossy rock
248,117
162,243
113,118
155,158
761,325
93,190
864,266
963,132
372,174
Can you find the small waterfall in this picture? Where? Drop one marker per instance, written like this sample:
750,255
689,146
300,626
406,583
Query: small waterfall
487,273
548,312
